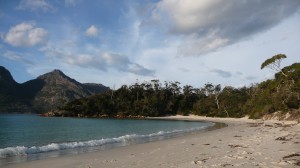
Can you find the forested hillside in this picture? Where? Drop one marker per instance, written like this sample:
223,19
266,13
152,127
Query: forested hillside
153,98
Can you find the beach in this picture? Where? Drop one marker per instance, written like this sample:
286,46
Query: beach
243,143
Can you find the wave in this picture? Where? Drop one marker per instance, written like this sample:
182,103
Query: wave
126,139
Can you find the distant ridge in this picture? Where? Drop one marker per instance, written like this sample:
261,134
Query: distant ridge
45,93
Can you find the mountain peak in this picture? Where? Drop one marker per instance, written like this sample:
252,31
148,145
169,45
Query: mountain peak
56,73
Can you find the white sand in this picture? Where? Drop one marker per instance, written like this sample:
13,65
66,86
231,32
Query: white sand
244,143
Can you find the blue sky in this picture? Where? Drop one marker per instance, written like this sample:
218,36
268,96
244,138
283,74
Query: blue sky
117,42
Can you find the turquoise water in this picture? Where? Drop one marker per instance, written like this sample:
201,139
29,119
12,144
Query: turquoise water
28,137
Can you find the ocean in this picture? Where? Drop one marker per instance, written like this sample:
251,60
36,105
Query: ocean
26,137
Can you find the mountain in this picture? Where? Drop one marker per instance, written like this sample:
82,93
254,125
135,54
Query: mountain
43,94
9,93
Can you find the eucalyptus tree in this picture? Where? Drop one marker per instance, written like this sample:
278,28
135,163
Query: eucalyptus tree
274,63
175,88
156,85
209,89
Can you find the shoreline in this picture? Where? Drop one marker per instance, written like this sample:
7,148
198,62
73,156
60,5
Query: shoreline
243,143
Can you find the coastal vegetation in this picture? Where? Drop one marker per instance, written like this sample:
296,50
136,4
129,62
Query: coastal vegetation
155,98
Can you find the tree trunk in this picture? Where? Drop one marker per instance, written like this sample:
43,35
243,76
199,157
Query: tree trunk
283,73
217,101
112,94
226,113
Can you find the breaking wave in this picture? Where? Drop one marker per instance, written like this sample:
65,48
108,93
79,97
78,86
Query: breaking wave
126,139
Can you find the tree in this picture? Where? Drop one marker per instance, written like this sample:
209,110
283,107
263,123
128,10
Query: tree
208,88
187,90
274,63
175,88
156,84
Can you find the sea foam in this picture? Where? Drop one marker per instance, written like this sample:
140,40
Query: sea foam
126,139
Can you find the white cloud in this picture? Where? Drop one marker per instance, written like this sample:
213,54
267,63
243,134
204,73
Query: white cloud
34,5
92,31
207,25
26,35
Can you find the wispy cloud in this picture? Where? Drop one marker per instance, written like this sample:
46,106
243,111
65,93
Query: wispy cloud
222,73
250,78
35,5
101,61
122,63
16,57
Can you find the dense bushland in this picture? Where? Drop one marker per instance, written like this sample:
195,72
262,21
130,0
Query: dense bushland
153,98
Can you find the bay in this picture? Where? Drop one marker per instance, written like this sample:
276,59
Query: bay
26,137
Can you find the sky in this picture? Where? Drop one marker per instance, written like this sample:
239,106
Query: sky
117,42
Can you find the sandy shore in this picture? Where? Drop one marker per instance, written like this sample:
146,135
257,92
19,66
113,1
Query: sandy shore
244,143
